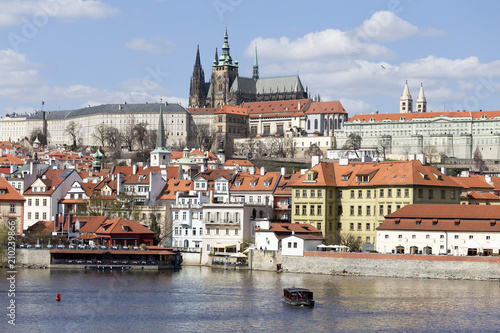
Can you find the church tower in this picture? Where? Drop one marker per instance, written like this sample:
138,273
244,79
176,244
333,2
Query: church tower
421,101
255,75
406,102
197,94
161,155
224,72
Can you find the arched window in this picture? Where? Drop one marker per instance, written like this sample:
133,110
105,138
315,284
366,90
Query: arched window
308,124
315,123
331,124
186,243
336,123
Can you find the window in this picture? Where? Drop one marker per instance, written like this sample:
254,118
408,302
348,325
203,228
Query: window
420,193
471,237
360,193
389,193
367,240
339,194
441,236
29,202
294,245
400,236
351,226
368,193
389,209
37,202
44,216
368,210
318,226
381,210
407,193
413,236
236,232
37,216
456,236
368,226
194,231
312,209
398,193
304,193
386,237
319,210
184,215
304,210
352,194
216,231
227,231
320,193
360,210
313,193
289,245
297,210
208,231
330,210
431,194
45,202
352,210
186,231
443,194
297,193
29,215
488,237
381,194
452,194
12,208
427,236
359,226
339,210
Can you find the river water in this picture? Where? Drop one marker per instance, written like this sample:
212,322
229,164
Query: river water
201,299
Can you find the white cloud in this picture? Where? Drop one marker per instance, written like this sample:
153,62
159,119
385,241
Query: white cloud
384,26
152,45
355,106
15,12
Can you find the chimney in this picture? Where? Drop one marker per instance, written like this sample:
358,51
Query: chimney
134,169
283,171
203,168
262,171
299,106
252,170
120,107
314,161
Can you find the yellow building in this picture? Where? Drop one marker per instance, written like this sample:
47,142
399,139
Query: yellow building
353,198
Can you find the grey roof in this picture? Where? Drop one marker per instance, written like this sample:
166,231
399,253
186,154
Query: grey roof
268,85
109,109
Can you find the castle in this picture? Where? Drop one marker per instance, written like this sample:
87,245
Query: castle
227,87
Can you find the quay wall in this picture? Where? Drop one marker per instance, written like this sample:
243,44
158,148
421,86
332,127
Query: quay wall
191,258
387,265
33,257
262,260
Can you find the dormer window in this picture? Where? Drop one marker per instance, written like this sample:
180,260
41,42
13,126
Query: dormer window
309,176
126,228
237,184
266,184
252,183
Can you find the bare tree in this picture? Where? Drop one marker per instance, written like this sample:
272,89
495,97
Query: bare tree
73,131
351,241
99,135
384,144
275,146
289,145
478,161
141,134
406,148
429,151
313,150
38,133
113,136
128,134
353,143
202,137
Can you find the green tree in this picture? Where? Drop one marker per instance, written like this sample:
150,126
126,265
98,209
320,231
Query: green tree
155,227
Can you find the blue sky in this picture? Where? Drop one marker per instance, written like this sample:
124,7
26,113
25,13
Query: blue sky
73,53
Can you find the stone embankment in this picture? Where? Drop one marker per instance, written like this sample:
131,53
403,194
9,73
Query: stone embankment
391,265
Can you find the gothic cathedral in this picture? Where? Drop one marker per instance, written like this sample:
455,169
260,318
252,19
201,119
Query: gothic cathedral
227,87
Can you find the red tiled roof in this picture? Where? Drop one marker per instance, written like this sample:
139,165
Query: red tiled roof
11,194
452,211
175,185
10,159
116,226
473,182
483,196
325,107
426,115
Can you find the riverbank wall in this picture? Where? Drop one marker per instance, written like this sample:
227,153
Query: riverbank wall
393,265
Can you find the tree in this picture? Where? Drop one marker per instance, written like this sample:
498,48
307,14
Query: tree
128,134
429,151
313,150
384,144
202,137
406,148
73,131
155,227
99,135
353,143
351,241
141,134
113,137
37,132
289,145
478,160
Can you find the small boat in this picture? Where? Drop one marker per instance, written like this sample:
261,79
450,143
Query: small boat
298,297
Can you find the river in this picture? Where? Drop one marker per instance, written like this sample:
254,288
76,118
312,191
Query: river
201,299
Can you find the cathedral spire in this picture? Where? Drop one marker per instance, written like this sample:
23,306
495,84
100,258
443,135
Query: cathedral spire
197,62
160,135
225,58
255,75
406,101
216,59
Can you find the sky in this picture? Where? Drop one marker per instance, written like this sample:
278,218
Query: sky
68,54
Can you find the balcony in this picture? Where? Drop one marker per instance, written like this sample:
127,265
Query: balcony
221,221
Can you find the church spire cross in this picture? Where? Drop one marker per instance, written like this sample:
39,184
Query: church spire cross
160,136
255,75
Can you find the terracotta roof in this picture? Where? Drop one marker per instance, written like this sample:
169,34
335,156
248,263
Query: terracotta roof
426,115
232,109
200,111
463,212
10,159
239,162
213,174
284,184
396,173
483,196
11,194
473,182
276,107
325,107
298,228
496,182
52,179
245,180
175,185
117,225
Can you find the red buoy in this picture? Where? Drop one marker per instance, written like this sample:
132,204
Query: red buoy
58,297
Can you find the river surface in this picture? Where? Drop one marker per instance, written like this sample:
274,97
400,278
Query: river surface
201,299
